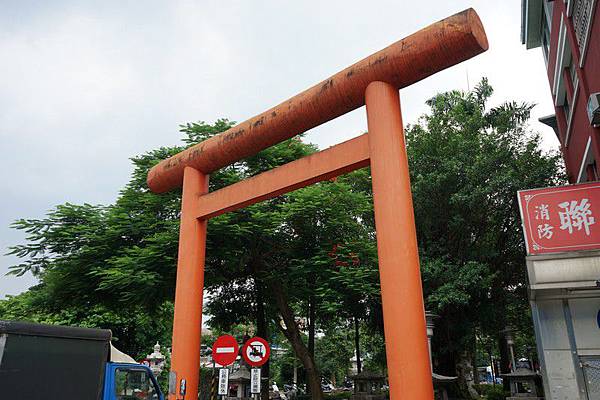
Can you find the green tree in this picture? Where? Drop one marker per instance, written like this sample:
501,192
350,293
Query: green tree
108,266
468,161
334,353
134,330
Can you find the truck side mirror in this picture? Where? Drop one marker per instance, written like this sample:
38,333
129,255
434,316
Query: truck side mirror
182,387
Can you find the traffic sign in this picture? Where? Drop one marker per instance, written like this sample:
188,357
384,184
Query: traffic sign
223,381
255,380
256,351
561,218
225,350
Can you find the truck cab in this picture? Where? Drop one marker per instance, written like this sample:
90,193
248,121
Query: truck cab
49,362
125,381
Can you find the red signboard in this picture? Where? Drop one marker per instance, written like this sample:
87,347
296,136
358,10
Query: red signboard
256,351
563,218
225,350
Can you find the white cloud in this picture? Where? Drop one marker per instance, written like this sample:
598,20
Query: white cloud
85,86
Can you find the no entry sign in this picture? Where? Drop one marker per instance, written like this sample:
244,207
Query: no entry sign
256,351
562,218
225,350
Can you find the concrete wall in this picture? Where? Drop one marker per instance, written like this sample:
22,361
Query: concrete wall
560,376
565,301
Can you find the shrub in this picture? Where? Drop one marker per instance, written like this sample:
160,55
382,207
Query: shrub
491,392
496,393
337,395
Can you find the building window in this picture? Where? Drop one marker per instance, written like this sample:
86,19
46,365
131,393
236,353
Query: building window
567,99
591,172
564,58
546,39
549,8
573,72
567,110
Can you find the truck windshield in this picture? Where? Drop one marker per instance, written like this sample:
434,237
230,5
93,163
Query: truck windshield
134,384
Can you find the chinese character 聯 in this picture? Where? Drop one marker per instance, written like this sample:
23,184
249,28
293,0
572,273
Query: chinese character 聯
576,216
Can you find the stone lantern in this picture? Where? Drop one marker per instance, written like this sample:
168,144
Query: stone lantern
239,384
429,320
368,386
510,342
156,360
523,384
440,382
523,381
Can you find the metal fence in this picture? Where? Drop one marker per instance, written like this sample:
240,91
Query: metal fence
591,372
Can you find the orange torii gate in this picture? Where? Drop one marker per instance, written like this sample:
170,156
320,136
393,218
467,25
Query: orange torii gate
373,81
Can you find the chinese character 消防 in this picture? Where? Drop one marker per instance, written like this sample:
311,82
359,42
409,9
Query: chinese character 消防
542,212
545,231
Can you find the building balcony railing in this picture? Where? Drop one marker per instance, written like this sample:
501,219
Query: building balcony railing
582,13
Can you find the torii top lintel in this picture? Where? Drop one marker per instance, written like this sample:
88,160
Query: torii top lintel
430,50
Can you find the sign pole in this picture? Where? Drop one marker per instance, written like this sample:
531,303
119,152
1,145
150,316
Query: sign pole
401,291
213,383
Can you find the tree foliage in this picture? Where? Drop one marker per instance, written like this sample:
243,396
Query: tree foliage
468,161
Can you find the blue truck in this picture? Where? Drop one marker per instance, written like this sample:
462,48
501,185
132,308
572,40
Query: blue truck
58,363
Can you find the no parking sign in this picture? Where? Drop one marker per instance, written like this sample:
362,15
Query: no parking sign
256,351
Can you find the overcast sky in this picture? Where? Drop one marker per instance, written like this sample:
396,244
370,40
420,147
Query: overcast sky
86,85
